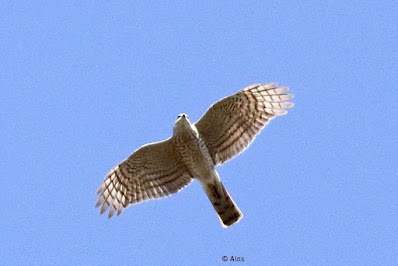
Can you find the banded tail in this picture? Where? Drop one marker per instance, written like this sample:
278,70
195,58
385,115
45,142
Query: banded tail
223,204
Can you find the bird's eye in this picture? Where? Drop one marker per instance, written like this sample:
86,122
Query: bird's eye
178,116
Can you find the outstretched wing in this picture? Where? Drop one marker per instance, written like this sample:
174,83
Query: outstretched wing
152,171
231,124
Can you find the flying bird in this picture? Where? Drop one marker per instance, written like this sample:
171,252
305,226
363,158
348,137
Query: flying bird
162,168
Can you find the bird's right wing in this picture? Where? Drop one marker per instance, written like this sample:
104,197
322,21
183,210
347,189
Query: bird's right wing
152,171
231,124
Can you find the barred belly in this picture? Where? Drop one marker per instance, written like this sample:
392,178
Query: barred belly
195,156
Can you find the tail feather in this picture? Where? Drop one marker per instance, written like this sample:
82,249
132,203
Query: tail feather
223,204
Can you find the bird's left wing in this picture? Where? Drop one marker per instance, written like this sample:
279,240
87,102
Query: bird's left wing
152,171
230,125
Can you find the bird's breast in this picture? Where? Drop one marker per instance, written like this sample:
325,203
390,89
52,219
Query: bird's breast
194,154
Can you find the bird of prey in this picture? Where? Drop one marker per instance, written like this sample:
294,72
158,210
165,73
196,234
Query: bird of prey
162,168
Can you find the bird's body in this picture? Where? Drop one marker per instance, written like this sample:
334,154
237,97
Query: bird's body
194,153
197,158
159,169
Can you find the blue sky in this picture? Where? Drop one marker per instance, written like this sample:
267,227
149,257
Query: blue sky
85,83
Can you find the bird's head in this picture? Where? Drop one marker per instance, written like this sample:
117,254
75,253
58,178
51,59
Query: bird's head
182,123
182,119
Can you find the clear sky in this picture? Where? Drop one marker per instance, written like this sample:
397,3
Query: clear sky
85,83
